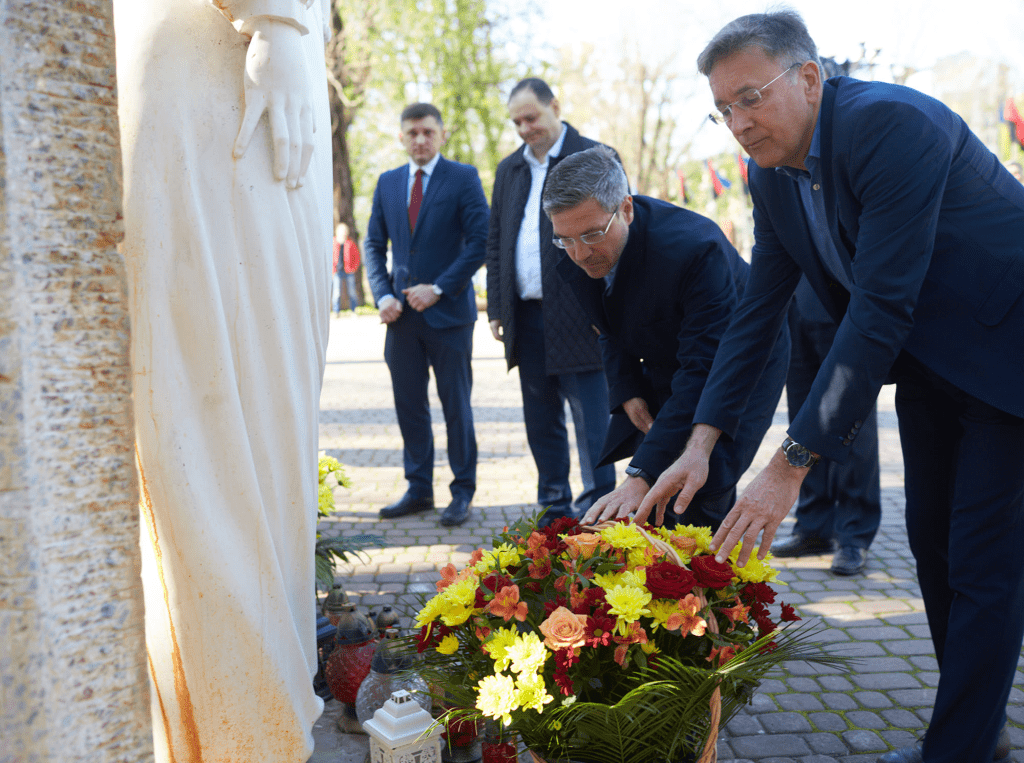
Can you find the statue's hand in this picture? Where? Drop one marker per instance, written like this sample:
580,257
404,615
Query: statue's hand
276,81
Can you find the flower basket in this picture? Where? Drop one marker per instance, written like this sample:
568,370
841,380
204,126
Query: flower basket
612,644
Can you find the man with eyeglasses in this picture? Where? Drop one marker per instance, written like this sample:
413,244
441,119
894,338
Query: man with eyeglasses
544,329
908,230
661,284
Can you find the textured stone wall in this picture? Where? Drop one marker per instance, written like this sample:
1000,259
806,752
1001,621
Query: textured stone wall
73,684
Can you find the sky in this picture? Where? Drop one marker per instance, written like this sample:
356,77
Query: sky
908,33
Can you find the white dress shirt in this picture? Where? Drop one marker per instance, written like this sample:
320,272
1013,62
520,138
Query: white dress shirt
528,273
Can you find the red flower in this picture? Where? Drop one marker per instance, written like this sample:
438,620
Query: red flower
666,580
564,659
711,573
600,626
761,592
461,733
789,615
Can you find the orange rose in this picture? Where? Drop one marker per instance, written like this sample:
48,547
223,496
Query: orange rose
564,630
583,544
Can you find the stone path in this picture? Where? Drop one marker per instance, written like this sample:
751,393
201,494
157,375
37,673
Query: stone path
804,714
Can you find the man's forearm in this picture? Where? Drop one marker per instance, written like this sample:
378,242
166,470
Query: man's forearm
703,439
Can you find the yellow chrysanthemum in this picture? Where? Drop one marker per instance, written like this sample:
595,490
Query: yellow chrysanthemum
628,603
431,610
756,570
462,593
641,557
531,692
661,610
499,559
325,498
608,580
623,536
498,644
449,645
527,654
496,697
456,615
700,534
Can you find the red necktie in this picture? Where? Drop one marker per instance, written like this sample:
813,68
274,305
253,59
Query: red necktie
415,199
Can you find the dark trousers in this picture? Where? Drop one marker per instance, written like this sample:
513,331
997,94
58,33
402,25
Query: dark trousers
544,399
411,348
840,501
964,465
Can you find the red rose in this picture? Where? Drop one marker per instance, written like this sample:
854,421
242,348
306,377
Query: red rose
711,573
669,581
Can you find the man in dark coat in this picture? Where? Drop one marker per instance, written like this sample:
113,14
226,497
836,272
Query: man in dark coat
545,331
661,284
909,231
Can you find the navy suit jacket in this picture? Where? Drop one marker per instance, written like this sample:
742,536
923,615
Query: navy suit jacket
930,229
447,247
674,291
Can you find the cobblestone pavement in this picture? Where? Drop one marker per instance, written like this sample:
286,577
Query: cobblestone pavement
803,713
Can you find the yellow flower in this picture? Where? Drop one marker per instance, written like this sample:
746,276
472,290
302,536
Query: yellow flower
457,615
498,644
661,611
623,536
702,536
499,558
496,697
431,610
449,645
462,593
531,692
640,557
527,654
756,570
627,603
649,648
609,580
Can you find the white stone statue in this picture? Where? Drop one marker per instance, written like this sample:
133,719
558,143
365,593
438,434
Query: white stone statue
228,234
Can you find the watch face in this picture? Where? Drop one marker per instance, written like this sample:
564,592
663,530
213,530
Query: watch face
797,454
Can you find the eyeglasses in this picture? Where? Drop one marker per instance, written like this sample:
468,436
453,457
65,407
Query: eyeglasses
749,99
587,238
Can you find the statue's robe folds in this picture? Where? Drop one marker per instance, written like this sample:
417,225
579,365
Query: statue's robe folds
228,276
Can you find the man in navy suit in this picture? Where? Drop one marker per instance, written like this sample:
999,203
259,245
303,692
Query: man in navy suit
909,231
434,213
660,283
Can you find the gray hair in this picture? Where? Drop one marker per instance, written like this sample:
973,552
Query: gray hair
591,174
781,34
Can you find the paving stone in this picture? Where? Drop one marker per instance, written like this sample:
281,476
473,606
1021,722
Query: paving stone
744,725
799,702
872,699
824,744
828,721
900,717
835,683
885,680
861,740
837,701
765,745
785,722
865,719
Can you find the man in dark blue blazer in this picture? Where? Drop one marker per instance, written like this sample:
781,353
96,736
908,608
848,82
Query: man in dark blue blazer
660,283
434,213
909,231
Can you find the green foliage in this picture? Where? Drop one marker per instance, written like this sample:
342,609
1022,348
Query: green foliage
329,551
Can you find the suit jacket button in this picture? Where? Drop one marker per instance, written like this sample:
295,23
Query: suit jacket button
817,187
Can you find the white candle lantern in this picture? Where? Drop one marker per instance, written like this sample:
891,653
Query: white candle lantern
398,732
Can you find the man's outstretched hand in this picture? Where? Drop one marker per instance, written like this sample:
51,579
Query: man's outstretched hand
276,81
686,476
760,510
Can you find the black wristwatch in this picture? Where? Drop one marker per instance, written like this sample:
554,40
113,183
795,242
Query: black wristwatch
636,471
797,455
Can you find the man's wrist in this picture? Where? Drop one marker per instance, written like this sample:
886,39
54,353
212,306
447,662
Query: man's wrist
703,438
383,301
636,471
438,291
798,456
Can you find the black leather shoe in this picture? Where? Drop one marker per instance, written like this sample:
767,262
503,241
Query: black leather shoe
456,513
915,754
801,545
407,504
849,560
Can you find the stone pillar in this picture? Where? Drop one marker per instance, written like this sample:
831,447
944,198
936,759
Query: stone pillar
73,679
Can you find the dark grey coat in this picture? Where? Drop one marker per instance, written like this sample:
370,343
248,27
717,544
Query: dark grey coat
570,342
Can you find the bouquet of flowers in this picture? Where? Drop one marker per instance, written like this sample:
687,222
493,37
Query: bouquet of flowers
618,643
